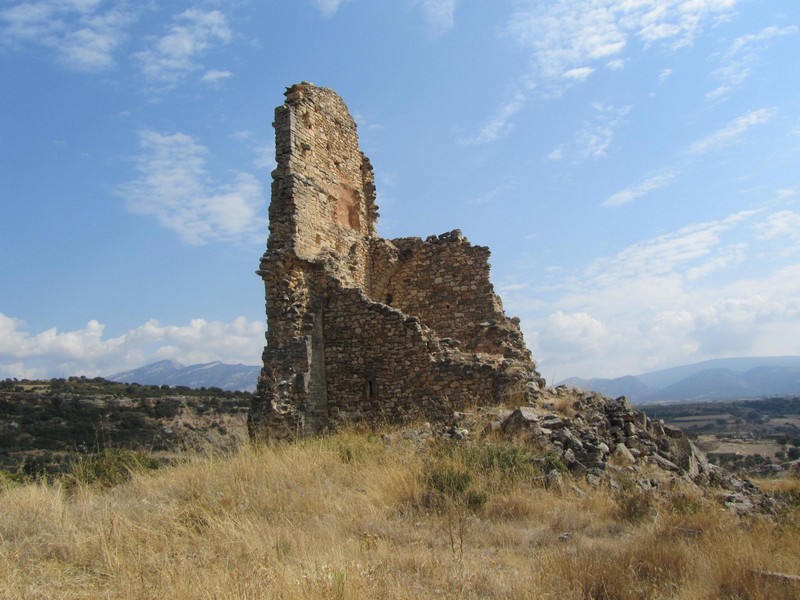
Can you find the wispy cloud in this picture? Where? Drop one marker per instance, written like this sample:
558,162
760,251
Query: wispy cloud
783,227
575,34
215,76
264,157
650,184
733,130
578,73
175,54
506,185
366,122
741,58
500,124
663,254
718,140
569,39
328,8
730,256
593,139
572,335
84,35
89,351
439,14
699,292
175,188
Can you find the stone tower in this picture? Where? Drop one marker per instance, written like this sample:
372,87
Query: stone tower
362,329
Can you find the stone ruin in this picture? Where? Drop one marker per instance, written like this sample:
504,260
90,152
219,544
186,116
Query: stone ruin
362,329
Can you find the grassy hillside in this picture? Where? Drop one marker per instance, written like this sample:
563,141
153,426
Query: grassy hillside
397,515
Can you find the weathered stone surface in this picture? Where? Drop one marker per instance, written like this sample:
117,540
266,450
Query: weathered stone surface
622,455
522,419
363,329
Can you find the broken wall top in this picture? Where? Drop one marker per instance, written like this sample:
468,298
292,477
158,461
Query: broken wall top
323,196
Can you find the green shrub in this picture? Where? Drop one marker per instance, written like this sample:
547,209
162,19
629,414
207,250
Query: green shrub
111,467
505,460
634,505
448,481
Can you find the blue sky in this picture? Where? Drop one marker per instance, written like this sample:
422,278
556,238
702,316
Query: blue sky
634,165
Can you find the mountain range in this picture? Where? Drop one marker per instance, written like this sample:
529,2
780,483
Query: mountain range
718,379
214,374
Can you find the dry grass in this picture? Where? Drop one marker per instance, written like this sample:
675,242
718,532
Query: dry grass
348,517
564,405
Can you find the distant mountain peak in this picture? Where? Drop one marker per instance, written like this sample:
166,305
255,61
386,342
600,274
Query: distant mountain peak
213,374
718,379
167,363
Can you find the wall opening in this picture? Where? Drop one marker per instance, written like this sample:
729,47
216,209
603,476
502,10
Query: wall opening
371,389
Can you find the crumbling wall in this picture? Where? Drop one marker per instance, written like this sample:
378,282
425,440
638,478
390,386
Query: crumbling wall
445,280
363,329
323,195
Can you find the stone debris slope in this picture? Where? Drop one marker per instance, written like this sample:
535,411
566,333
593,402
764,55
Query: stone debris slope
606,442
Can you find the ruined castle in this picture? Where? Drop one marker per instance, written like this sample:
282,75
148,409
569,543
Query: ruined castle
361,329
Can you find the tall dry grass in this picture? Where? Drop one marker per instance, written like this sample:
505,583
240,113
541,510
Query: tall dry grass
348,516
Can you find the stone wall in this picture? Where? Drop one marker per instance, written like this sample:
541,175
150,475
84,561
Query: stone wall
363,329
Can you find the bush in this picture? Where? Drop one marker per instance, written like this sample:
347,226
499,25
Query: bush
504,460
111,467
449,480
634,505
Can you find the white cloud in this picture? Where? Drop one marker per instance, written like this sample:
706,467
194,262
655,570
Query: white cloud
500,124
741,58
174,55
578,73
90,351
506,185
175,187
568,34
782,226
573,334
83,36
366,122
703,291
731,131
328,8
632,193
215,76
594,138
664,254
568,39
747,42
265,157
723,137
439,14
734,255
664,75
557,154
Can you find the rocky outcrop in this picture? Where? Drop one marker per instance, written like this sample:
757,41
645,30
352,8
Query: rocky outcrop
602,438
